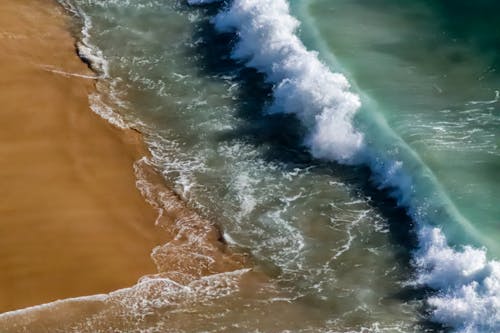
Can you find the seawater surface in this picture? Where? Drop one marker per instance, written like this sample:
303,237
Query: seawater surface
349,147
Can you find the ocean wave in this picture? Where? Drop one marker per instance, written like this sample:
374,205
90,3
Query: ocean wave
467,284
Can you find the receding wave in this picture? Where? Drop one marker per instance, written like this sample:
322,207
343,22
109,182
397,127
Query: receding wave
467,285
195,265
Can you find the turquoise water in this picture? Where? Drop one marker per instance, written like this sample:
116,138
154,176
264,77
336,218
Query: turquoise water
436,84
345,175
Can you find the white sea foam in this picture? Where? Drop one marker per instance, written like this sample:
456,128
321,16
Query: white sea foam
96,60
303,85
86,50
467,284
105,111
129,306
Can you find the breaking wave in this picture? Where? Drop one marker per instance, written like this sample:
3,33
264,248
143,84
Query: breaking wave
467,285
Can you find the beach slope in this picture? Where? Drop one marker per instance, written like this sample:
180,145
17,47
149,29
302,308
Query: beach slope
72,221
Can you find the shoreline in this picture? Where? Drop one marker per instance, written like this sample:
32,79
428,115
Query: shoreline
79,221
73,221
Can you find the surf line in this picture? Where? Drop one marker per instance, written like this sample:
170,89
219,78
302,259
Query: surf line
468,284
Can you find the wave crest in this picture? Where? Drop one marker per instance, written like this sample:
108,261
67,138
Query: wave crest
467,284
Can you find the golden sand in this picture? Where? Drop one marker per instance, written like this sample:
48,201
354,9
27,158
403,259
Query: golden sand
72,221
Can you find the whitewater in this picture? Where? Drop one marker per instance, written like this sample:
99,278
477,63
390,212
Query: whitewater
467,283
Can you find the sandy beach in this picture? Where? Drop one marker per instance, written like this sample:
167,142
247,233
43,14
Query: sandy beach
72,220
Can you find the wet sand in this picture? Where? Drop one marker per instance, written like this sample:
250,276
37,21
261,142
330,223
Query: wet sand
72,221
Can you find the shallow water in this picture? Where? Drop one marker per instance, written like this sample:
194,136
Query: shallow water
325,231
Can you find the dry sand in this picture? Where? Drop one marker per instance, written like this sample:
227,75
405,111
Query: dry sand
72,222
